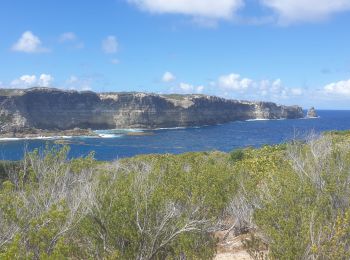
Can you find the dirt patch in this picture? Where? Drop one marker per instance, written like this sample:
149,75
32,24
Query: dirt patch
239,255
231,247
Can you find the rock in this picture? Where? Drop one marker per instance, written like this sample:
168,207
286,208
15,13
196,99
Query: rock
54,109
311,113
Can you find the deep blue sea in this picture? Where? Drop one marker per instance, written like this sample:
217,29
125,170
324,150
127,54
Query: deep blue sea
112,145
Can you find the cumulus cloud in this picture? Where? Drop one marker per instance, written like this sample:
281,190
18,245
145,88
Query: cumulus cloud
234,82
291,11
24,81
110,44
338,88
207,12
273,89
78,83
29,43
218,9
199,89
296,91
45,80
190,89
72,39
28,81
234,85
186,87
168,77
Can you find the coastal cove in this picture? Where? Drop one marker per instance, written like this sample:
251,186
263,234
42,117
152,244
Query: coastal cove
113,144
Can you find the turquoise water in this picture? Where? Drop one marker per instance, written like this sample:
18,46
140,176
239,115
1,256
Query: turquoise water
116,144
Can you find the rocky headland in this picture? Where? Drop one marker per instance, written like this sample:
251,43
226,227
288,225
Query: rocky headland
47,111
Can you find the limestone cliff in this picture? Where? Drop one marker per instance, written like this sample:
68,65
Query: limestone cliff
54,109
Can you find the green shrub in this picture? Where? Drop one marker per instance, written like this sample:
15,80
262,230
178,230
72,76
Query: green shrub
302,200
149,207
6,167
159,207
294,199
236,155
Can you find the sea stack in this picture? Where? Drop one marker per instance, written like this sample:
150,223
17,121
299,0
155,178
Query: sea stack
311,113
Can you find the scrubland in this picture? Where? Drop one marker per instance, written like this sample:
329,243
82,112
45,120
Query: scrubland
290,201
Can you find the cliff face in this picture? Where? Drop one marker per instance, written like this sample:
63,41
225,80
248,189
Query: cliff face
54,109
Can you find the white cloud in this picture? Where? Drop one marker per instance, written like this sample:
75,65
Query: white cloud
24,81
72,39
168,77
297,91
78,83
186,87
110,44
200,89
234,82
28,81
190,89
212,9
72,79
236,86
273,89
207,12
29,43
68,37
338,88
45,80
291,11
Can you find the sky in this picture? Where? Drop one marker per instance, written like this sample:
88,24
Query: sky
285,51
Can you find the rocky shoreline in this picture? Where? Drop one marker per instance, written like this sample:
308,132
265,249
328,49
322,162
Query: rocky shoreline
58,134
37,133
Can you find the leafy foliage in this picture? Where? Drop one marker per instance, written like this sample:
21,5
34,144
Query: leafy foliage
236,155
301,197
6,167
159,206
292,199
147,207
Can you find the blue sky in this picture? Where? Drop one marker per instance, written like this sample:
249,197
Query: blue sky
287,51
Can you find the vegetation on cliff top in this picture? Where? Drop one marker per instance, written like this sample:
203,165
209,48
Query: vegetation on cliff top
293,199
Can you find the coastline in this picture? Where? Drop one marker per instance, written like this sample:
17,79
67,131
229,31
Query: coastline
224,137
45,134
39,134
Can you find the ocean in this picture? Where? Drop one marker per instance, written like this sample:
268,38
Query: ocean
114,144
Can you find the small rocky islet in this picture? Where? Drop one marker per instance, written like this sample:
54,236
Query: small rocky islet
311,113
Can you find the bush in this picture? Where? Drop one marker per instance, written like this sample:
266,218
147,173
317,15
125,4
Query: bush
158,207
302,201
40,206
147,207
236,155
6,167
